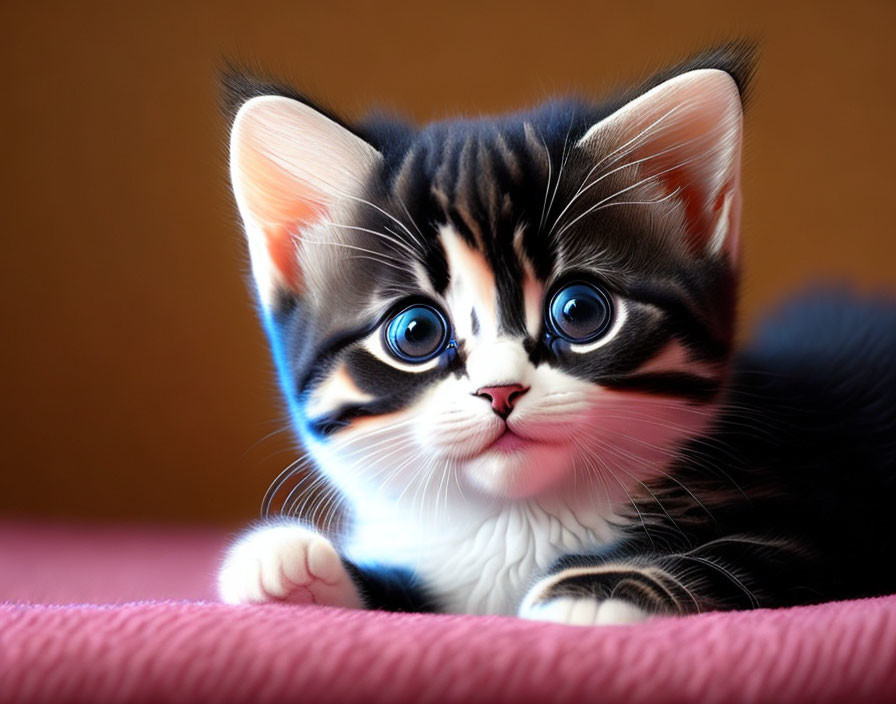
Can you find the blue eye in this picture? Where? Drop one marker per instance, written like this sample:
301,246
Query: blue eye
416,334
580,312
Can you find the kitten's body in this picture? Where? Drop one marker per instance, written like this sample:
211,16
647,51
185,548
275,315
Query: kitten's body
797,471
523,466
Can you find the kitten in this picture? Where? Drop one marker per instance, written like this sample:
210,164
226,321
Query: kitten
508,343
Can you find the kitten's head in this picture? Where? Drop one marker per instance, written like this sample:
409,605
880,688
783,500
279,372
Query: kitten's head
504,307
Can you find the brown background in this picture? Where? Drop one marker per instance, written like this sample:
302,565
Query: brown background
135,379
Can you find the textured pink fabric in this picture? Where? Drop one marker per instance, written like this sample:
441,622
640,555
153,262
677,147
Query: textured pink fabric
183,652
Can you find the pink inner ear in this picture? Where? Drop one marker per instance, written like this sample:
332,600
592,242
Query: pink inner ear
282,239
281,205
283,252
290,167
693,168
687,135
701,210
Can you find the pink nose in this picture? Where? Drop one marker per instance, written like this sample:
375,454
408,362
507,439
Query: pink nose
503,398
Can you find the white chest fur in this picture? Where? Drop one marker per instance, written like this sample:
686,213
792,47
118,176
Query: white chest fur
480,559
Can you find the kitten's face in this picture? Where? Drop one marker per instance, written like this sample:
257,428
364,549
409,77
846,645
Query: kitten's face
509,309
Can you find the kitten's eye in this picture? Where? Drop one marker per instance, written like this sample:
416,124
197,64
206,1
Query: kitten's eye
417,334
580,312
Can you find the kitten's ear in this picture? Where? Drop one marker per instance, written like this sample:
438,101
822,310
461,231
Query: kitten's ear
290,166
684,139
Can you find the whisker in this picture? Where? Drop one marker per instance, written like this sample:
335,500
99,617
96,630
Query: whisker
547,188
563,159
376,256
291,470
582,187
637,184
727,573
391,240
381,210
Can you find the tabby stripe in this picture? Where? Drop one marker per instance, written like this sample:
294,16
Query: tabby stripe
631,585
688,326
342,417
317,364
679,384
651,588
394,388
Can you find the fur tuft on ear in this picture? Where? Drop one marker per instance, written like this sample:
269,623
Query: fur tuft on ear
683,138
290,166
737,58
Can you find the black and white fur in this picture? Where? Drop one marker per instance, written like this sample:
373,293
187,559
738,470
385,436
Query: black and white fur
662,472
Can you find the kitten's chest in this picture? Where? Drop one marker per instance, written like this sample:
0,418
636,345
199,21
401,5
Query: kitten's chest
483,562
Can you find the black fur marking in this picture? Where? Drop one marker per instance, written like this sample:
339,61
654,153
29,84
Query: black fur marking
381,379
393,388
695,332
321,359
390,588
326,425
640,339
678,384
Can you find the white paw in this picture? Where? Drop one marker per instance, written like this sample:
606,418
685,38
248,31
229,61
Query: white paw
584,611
286,563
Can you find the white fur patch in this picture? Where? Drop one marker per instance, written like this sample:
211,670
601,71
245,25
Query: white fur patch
533,289
498,361
584,611
480,558
471,286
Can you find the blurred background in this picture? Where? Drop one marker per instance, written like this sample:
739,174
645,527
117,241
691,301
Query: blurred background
136,382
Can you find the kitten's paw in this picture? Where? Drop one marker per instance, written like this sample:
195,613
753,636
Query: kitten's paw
286,563
584,611
592,596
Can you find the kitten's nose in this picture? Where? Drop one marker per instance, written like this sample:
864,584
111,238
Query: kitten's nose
503,398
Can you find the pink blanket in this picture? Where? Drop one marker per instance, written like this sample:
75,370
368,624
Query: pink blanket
192,650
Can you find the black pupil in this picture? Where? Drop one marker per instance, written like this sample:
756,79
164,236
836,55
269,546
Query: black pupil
576,310
580,312
416,333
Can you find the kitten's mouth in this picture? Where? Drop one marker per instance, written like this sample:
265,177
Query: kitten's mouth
515,466
508,441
